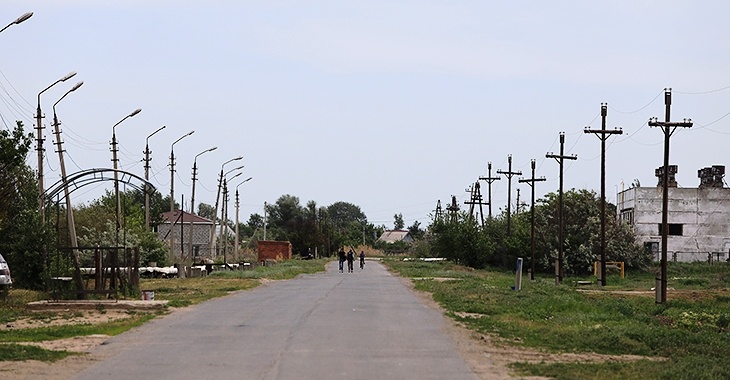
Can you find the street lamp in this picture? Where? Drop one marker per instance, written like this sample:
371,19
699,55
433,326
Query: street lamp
39,147
18,20
172,190
192,199
237,204
115,162
215,214
69,210
147,178
224,216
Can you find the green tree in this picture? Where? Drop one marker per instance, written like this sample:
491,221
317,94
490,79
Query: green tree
22,238
206,211
398,223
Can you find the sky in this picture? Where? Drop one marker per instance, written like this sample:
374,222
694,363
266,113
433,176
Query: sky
388,105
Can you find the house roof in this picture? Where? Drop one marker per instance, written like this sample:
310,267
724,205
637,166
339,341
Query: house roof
392,236
186,217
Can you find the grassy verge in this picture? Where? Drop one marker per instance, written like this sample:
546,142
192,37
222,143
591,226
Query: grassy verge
18,352
180,292
692,331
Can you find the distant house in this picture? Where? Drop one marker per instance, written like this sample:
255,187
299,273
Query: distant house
181,222
392,236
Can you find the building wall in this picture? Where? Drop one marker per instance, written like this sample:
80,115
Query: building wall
704,216
274,250
201,238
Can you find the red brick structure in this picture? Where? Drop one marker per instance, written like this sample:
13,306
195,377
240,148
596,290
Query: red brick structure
274,250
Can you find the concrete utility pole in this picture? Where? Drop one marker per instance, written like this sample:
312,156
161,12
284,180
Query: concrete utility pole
509,173
213,241
531,182
489,180
172,196
116,175
237,205
265,207
560,158
39,146
224,215
192,199
603,134
668,127
69,209
147,160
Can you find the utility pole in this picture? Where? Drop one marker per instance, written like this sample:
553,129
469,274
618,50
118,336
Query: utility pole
560,158
489,180
265,206
476,199
39,145
453,209
509,173
147,160
603,134
78,281
438,213
668,127
531,182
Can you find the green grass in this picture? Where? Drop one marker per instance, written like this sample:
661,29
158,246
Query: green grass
19,352
68,331
691,331
281,271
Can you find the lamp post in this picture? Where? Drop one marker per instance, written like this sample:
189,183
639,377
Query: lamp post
39,147
215,214
172,190
116,166
69,210
147,178
18,20
224,213
192,198
237,204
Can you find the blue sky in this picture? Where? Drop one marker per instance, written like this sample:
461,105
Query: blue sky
390,105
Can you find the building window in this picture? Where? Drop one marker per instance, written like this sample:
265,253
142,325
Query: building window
627,216
674,229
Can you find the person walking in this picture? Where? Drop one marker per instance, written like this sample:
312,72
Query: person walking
350,260
362,260
341,256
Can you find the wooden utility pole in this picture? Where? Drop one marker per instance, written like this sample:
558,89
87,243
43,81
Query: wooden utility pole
476,199
509,173
560,158
438,213
531,182
489,180
668,127
453,209
603,134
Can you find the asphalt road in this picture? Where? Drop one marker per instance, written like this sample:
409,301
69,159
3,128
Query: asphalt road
330,325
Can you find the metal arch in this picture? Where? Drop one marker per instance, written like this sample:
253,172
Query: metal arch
86,177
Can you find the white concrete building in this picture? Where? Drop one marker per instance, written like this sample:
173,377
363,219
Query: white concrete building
698,218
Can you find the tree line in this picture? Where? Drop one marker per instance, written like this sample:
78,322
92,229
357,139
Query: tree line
25,243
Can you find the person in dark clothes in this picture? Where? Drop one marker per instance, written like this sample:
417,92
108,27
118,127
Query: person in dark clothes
362,259
341,256
350,260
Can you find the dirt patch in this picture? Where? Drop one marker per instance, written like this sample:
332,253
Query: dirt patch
68,367
66,317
